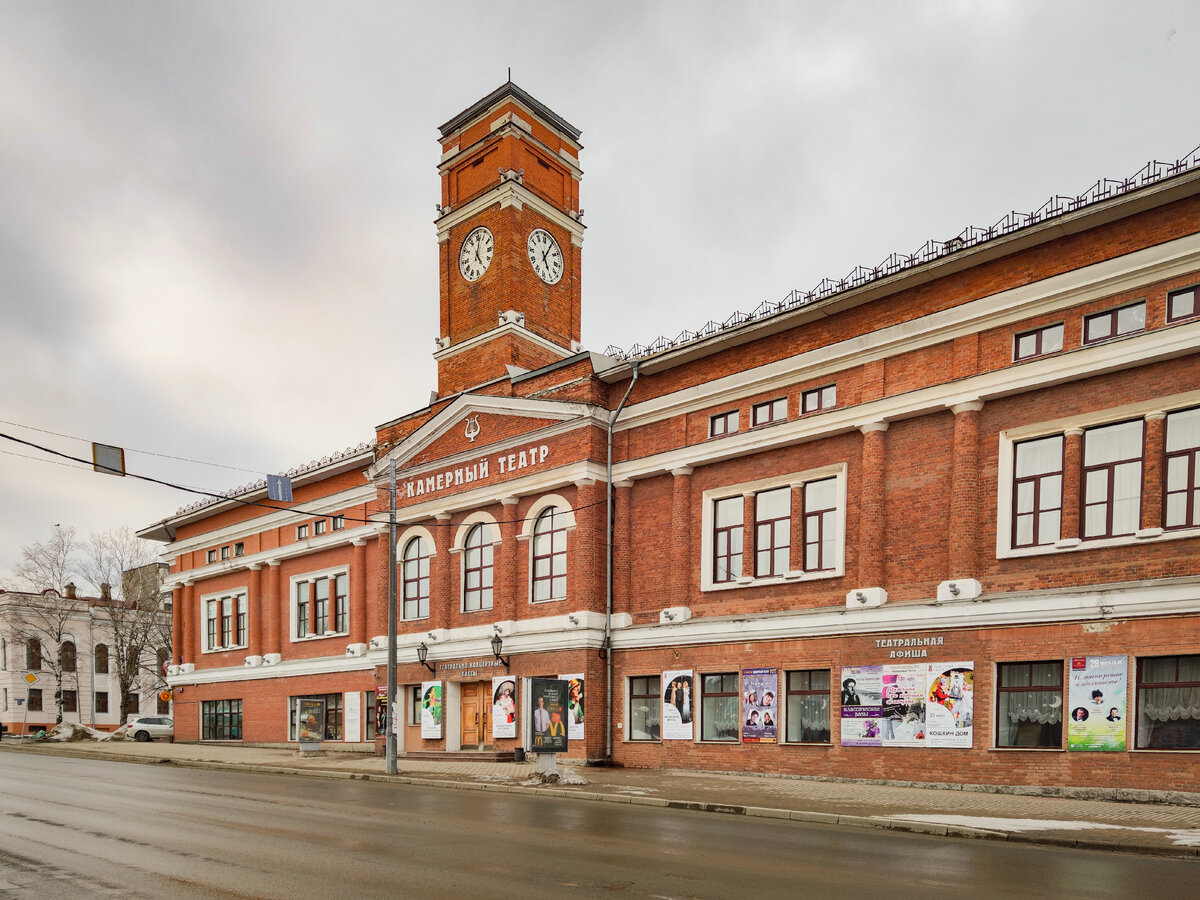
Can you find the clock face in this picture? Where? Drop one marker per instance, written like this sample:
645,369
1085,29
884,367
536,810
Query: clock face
544,256
476,254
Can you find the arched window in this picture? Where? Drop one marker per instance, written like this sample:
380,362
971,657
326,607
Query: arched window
478,570
550,556
66,656
101,658
33,654
414,579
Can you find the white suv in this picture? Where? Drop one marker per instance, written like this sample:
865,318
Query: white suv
147,728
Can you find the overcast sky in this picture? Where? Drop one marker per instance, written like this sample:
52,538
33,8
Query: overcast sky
216,219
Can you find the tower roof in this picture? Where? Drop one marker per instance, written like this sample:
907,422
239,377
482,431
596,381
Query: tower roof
508,89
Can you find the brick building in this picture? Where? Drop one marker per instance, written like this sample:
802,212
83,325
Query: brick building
938,520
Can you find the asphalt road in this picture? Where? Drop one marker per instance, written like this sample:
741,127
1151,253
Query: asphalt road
83,828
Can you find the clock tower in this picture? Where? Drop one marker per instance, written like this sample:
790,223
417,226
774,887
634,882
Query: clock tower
509,233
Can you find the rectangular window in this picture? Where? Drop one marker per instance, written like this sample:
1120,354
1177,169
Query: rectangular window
102,701
35,700
334,715
341,600
1114,323
772,531
1029,704
301,609
1181,506
212,612
319,526
1183,304
645,707
727,540
321,600
239,549
723,423
1112,480
1037,491
70,700
241,620
1038,342
227,621
808,706
1168,703
720,708
301,532
818,399
225,552
211,556
414,705
771,411
821,527
221,720
33,655
338,523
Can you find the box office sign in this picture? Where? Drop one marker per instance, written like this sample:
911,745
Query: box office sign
1096,698
548,713
431,710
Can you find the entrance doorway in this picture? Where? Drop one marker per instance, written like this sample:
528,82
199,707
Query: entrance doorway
476,709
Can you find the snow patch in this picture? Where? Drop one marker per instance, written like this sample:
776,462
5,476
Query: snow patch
1180,837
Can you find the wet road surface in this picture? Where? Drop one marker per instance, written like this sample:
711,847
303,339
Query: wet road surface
84,828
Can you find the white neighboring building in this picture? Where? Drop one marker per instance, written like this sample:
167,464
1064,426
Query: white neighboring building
38,628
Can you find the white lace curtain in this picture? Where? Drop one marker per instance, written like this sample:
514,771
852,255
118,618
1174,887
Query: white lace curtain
1043,707
1169,704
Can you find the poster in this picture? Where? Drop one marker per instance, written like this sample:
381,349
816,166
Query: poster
504,707
353,717
902,722
677,705
862,706
547,708
950,709
310,719
381,709
1096,698
760,711
574,706
431,710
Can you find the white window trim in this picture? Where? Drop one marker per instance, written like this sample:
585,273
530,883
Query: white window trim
796,481
234,592
460,541
526,534
413,531
628,726
1110,416
310,576
698,707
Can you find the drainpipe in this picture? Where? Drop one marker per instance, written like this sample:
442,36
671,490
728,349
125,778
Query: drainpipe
608,567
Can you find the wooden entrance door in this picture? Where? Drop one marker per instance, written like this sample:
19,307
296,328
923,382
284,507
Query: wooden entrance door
475,707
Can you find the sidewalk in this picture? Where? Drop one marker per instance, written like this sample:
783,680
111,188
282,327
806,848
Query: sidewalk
1086,824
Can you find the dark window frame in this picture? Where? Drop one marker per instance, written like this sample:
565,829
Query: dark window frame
1142,684
101,701
1039,342
550,528
34,700
808,691
415,586
775,410
1108,503
68,657
1190,457
822,398
33,655
100,659
816,522
221,720
1039,482
706,716
70,701
719,424
1114,328
1194,290
479,559
651,694
765,534
732,535
1044,741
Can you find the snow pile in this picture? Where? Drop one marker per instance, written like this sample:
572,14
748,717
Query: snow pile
75,731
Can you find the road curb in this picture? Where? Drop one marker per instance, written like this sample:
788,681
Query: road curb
1091,842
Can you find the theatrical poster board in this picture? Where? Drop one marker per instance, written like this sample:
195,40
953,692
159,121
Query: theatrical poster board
575,685
760,707
862,706
310,720
677,705
1096,699
352,704
950,714
431,710
908,705
547,713
504,707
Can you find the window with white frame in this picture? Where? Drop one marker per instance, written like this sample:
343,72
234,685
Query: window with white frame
1181,508
1112,479
224,621
414,579
478,569
550,556
769,412
320,604
812,502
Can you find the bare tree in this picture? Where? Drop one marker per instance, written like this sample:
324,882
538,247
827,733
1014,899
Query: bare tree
129,576
52,565
41,623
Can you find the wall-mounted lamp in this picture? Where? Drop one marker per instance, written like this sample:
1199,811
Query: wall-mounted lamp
952,588
422,652
497,646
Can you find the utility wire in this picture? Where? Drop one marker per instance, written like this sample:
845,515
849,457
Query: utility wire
89,464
